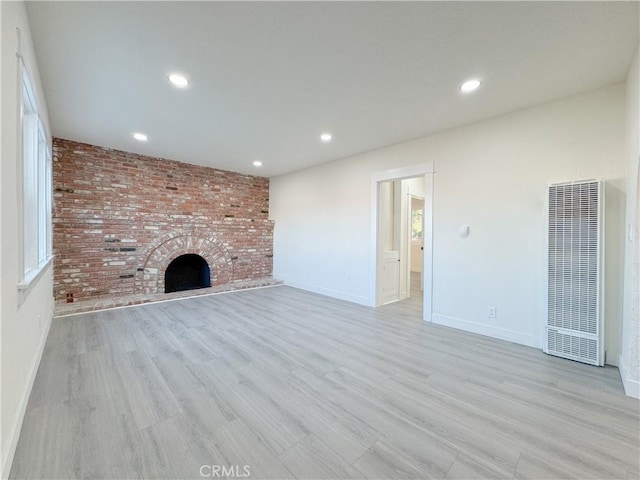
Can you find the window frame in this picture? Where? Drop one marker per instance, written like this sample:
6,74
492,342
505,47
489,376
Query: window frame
34,185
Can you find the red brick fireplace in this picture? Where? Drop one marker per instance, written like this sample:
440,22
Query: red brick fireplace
120,219
164,250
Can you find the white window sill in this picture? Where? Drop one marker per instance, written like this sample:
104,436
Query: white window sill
30,279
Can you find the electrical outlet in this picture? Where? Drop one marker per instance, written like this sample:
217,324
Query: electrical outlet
491,311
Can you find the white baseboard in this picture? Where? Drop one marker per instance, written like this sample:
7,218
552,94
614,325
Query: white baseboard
17,428
488,330
325,291
631,387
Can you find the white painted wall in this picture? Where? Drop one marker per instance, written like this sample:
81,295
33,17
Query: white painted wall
490,175
23,326
630,357
414,186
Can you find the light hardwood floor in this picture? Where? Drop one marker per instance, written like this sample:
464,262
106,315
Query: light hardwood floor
296,385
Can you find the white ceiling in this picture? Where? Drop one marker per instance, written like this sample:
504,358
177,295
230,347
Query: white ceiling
268,78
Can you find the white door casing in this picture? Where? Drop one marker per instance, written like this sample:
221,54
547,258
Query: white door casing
376,253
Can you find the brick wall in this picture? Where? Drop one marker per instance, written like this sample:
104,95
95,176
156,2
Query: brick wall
120,218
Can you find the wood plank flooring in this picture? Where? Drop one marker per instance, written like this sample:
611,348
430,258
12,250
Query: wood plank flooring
296,385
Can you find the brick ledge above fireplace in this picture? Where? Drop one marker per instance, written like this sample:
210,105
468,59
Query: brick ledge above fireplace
93,304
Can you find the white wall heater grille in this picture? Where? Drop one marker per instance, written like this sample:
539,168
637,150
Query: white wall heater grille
574,289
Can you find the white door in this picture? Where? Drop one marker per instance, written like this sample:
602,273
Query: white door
390,277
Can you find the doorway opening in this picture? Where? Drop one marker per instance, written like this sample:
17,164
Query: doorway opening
402,235
416,243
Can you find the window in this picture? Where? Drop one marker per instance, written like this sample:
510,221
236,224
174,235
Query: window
36,185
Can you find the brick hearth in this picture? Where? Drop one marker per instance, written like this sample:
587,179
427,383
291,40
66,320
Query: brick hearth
97,303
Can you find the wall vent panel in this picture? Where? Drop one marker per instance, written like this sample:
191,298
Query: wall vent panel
574,271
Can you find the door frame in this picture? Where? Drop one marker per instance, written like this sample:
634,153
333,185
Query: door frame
426,169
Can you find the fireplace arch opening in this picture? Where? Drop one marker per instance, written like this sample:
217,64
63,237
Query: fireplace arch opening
187,272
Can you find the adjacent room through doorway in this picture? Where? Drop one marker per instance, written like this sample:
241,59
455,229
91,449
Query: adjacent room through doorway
402,222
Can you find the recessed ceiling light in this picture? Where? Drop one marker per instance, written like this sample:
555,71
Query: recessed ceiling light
469,86
178,80
140,136
326,137
257,163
